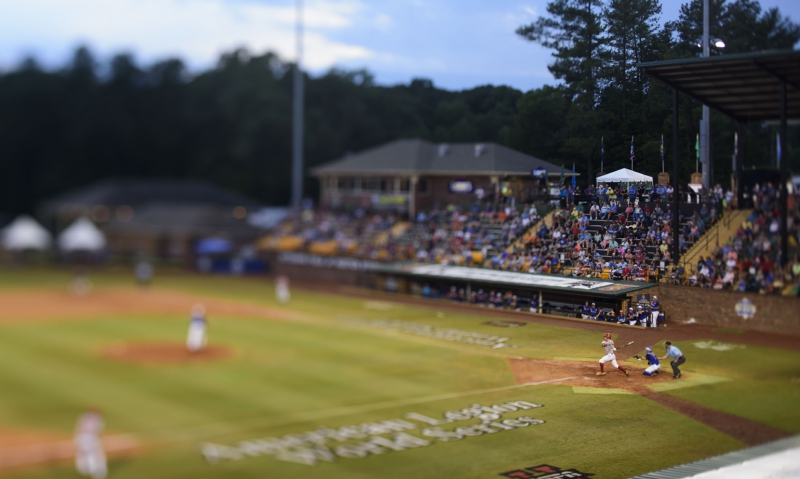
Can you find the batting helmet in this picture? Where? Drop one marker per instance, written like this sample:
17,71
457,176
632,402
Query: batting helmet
608,335
648,349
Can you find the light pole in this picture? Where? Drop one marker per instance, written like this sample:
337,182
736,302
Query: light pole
705,127
297,114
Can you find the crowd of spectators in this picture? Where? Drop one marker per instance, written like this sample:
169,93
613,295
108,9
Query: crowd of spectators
623,234
751,259
452,235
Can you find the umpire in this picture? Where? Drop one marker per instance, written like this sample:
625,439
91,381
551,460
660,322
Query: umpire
677,359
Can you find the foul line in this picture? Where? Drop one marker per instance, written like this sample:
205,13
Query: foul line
230,427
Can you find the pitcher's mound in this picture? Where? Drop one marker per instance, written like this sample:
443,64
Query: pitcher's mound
163,353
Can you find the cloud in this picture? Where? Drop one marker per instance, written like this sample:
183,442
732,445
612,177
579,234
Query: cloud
198,30
383,21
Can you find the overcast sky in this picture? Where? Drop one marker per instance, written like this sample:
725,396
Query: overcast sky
456,43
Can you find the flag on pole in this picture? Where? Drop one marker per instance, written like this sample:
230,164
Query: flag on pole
633,155
779,149
697,148
602,153
662,153
573,176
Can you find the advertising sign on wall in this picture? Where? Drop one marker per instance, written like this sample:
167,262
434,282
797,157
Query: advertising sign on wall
462,186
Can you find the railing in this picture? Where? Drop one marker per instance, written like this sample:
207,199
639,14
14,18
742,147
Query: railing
712,235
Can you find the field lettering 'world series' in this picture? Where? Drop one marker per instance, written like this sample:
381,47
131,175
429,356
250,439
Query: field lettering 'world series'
374,438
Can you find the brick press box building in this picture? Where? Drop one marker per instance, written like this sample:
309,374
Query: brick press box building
411,175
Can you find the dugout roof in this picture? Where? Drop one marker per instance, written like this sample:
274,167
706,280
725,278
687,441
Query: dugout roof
745,87
511,279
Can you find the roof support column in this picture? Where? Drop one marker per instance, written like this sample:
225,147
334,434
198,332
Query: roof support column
740,129
676,214
496,182
412,198
784,175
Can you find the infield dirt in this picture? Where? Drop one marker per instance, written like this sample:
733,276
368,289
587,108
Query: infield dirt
55,305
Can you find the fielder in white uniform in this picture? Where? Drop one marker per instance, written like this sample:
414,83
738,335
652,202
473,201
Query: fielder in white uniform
610,357
196,340
282,289
90,460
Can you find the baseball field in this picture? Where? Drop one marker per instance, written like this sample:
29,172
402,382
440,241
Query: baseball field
340,383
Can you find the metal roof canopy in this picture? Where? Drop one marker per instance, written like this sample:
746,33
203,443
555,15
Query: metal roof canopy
746,87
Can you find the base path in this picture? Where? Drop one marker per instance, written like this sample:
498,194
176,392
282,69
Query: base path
742,429
749,432
26,449
51,305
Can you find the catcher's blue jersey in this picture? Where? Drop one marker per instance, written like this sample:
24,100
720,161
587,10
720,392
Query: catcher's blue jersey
651,359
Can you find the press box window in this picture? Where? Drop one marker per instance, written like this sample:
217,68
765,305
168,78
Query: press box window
345,184
424,186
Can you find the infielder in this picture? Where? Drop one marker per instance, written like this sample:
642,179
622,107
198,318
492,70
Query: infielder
197,329
653,365
282,289
90,460
608,344
655,309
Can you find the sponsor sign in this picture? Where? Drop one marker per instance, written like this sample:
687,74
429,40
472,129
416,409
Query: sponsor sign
745,308
522,279
615,287
538,172
389,199
547,471
417,329
643,298
334,262
414,430
462,186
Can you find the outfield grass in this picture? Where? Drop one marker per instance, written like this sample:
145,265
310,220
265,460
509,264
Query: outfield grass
291,376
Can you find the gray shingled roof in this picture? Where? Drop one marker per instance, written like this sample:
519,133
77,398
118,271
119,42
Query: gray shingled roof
140,191
422,157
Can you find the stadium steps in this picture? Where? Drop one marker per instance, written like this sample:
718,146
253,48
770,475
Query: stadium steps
719,234
517,243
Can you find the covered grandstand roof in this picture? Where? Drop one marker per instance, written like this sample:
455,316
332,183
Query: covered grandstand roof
410,156
745,87
139,191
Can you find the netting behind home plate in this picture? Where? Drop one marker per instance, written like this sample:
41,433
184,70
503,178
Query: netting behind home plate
774,460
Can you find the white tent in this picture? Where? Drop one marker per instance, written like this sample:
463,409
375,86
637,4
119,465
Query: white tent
25,233
624,176
81,235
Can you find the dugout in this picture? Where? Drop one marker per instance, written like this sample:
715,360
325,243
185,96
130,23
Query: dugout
557,295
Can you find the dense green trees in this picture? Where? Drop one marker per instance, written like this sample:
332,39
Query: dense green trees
231,124
596,46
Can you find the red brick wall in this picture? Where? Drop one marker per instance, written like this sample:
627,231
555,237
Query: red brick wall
777,314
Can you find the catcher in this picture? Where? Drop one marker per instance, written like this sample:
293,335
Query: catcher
653,365
608,345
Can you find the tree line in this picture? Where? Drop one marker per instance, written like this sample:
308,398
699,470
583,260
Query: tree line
231,124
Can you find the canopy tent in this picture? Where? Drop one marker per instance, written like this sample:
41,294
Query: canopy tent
25,233
624,176
81,235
